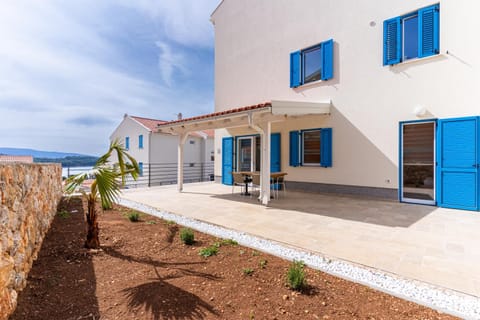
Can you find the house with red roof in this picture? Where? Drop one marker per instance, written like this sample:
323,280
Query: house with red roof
156,152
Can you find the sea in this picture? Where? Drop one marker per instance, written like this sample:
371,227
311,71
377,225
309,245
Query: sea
74,170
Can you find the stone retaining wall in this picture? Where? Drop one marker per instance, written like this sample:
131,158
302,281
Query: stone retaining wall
29,195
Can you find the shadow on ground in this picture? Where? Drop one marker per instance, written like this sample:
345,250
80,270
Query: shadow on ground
62,281
163,300
387,213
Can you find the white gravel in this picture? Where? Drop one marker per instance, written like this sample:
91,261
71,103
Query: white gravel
444,300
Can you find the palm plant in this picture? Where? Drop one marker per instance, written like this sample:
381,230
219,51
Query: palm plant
109,178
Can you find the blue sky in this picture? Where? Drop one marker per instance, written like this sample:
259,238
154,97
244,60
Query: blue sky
70,70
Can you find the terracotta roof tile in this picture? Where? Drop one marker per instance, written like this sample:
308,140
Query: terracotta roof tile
151,124
221,113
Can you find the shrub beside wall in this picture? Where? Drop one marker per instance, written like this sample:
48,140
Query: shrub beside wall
29,195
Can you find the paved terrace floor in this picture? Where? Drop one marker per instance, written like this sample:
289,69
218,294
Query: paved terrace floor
434,245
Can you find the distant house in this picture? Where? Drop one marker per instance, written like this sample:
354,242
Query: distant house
10,158
156,153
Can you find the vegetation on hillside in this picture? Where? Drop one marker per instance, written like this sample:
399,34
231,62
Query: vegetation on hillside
71,161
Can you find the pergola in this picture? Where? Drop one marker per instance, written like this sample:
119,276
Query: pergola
257,117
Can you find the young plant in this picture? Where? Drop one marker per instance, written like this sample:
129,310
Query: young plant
151,222
229,242
64,214
296,276
187,236
208,251
134,216
247,271
263,264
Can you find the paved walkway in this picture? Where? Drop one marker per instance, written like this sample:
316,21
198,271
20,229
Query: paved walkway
434,245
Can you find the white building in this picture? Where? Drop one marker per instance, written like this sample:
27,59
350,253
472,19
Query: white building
156,153
375,97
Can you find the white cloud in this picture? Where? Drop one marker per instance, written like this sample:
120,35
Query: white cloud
57,66
184,21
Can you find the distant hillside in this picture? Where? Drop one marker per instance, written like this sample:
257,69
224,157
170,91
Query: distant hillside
73,161
38,153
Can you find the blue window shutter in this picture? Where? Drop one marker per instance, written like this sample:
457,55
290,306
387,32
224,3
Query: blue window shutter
392,41
295,66
294,154
326,147
428,31
140,141
327,59
127,143
140,167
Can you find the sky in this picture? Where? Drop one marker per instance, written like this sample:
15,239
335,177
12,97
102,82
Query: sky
70,70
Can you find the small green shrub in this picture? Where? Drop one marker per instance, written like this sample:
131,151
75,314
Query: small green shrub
187,236
134,216
263,263
151,222
229,242
64,214
255,253
247,271
208,251
217,244
170,222
296,276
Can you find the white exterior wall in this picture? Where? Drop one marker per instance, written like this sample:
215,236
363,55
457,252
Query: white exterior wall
131,128
253,40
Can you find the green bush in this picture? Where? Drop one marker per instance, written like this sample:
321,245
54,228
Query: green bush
229,242
247,271
187,236
296,276
208,251
64,214
134,216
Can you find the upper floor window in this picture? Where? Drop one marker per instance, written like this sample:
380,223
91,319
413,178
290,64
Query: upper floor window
127,143
140,141
311,64
411,36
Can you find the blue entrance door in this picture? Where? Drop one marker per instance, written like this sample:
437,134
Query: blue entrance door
458,163
227,160
275,165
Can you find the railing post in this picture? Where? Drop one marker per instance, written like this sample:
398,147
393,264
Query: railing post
149,174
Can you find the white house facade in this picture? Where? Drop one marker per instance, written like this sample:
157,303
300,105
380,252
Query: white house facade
378,97
156,153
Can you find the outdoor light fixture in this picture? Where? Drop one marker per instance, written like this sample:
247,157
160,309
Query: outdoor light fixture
420,111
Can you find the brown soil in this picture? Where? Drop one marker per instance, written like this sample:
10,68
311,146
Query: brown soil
144,271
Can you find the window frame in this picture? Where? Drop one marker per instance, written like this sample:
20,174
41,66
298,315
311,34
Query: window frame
302,148
298,65
297,148
428,30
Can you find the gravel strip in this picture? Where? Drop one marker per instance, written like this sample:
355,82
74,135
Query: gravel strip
444,300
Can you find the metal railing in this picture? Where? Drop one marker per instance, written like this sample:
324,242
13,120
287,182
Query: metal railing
157,174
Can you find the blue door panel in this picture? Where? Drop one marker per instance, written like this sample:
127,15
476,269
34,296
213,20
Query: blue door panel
459,150
458,163
463,194
275,165
227,160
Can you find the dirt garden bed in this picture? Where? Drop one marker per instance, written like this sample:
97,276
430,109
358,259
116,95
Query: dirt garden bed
144,271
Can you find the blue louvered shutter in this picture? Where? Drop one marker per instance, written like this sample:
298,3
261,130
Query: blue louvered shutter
295,69
326,147
294,154
428,31
327,59
127,143
392,41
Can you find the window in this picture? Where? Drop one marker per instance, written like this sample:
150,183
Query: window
411,36
311,64
312,147
140,141
127,143
140,167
